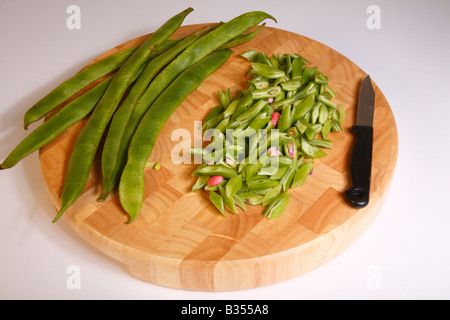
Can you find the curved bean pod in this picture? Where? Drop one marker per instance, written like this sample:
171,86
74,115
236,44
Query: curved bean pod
205,45
75,84
84,78
220,35
242,38
89,139
73,112
118,137
131,185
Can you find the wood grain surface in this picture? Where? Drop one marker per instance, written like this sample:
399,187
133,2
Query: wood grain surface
181,241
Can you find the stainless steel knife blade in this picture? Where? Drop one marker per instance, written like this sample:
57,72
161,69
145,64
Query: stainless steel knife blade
364,116
361,157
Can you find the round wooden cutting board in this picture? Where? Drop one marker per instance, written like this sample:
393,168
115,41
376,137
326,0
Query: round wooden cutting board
181,241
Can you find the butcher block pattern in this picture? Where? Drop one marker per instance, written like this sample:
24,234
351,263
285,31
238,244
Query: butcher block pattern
180,240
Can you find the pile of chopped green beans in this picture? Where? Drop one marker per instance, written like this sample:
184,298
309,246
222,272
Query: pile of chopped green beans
127,98
264,141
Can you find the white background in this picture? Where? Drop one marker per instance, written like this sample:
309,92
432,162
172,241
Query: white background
408,58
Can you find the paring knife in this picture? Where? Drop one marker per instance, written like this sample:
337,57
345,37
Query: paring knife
361,158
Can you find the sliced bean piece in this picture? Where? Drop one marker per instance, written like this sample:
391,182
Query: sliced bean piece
323,114
217,201
307,148
308,74
302,94
286,118
280,173
291,85
215,169
224,97
335,126
251,198
260,121
261,183
233,185
228,201
277,206
215,112
200,183
341,114
213,122
268,170
267,71
324,143
263,58
327,102
297,68
302,108
271,194
313,130
251,112
250,169
244,103
319,77
231,108
301,174
286,180
242,38
326,128
239,202
250,55
266,93
196,152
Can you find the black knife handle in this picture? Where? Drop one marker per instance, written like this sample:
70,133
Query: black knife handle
360,167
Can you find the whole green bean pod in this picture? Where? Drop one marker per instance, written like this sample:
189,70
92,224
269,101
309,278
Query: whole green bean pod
200,48
73,112
118,137
86,146
241,39
206,44
75,84
84,78
131,185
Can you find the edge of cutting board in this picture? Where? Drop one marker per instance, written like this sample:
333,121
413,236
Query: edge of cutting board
240,251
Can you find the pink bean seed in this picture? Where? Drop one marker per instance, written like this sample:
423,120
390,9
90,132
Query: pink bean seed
272,151
291,151
214,180
275,118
